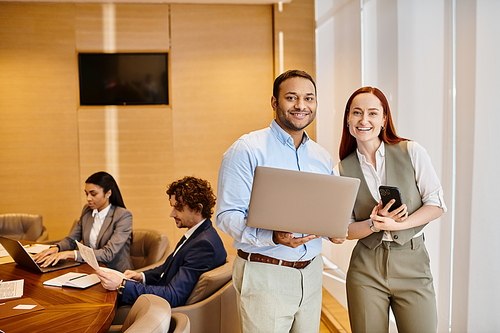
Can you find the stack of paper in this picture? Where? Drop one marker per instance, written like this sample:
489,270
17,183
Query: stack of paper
11,289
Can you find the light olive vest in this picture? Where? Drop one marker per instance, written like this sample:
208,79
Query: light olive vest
399,172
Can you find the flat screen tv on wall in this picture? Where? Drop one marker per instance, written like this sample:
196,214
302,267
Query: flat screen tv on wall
123,78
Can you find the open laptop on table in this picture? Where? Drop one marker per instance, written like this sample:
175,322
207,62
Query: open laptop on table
301,202
23,258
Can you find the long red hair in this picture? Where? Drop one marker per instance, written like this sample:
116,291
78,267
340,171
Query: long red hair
348,143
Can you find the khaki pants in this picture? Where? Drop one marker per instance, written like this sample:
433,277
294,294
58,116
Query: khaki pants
396,276
278,299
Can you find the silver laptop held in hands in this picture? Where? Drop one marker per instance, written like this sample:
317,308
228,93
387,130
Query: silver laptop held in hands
301,202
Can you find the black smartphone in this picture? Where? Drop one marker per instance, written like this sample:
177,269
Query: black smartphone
390,192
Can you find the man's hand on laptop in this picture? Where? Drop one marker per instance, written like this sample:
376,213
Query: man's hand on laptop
287,239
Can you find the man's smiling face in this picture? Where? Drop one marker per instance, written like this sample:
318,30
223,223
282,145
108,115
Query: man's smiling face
296,104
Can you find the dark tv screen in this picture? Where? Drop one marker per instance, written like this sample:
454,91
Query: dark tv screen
123,78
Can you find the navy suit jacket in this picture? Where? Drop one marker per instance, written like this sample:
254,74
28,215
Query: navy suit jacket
176,278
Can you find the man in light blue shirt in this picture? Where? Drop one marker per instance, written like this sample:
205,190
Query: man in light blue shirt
277,275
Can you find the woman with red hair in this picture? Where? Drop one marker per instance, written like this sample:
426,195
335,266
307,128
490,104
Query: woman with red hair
389,266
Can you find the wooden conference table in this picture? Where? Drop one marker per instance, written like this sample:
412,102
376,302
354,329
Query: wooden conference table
66,309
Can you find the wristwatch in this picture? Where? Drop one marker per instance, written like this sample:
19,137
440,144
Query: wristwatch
372,227
121,287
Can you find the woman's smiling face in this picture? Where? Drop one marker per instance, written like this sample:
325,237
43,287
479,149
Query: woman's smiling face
366,118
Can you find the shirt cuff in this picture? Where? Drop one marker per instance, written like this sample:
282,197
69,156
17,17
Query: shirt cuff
436,199
265,237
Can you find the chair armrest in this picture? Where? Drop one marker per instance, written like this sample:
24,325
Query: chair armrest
44,236
179,323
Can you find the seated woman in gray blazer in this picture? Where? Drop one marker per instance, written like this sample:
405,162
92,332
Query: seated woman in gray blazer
105,225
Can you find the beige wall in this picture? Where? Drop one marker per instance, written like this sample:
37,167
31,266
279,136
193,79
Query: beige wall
221,73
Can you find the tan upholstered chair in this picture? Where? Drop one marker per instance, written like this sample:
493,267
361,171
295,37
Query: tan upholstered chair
179,323
212,307
148,249
53,241
152,314
23,227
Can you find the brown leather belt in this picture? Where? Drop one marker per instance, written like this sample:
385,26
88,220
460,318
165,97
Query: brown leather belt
269,260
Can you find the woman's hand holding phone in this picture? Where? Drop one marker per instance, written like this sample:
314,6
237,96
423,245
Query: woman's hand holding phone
398,215
390,221
391,198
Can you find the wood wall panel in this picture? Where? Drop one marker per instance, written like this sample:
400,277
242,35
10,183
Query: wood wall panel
137,27
144,144
89,29
221,78
38,125
222,75
144,159
296,22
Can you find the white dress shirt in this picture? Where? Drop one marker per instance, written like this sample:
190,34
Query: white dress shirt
99,217
427,180
188,234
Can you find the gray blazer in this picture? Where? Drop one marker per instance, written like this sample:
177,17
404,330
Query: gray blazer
113,241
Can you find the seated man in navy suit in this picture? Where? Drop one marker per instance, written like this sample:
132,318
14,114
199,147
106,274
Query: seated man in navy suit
198,251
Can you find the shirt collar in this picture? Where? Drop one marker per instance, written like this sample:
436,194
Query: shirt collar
283,136
102,214
193,229
379,153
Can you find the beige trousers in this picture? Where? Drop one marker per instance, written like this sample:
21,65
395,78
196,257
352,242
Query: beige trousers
396,276
278,299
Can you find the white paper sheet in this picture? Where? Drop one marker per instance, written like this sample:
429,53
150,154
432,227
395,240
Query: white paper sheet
88,255
36,248
11,289
120,274
3,252
24,307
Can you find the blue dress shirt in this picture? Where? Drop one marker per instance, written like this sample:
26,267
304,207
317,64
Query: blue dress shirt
271,147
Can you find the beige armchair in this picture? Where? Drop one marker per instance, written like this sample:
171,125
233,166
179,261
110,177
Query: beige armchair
152,314
23,227
53,241
148,249
212,306
179,323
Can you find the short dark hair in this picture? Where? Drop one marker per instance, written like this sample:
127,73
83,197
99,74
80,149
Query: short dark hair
288,75
193,192
107,182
